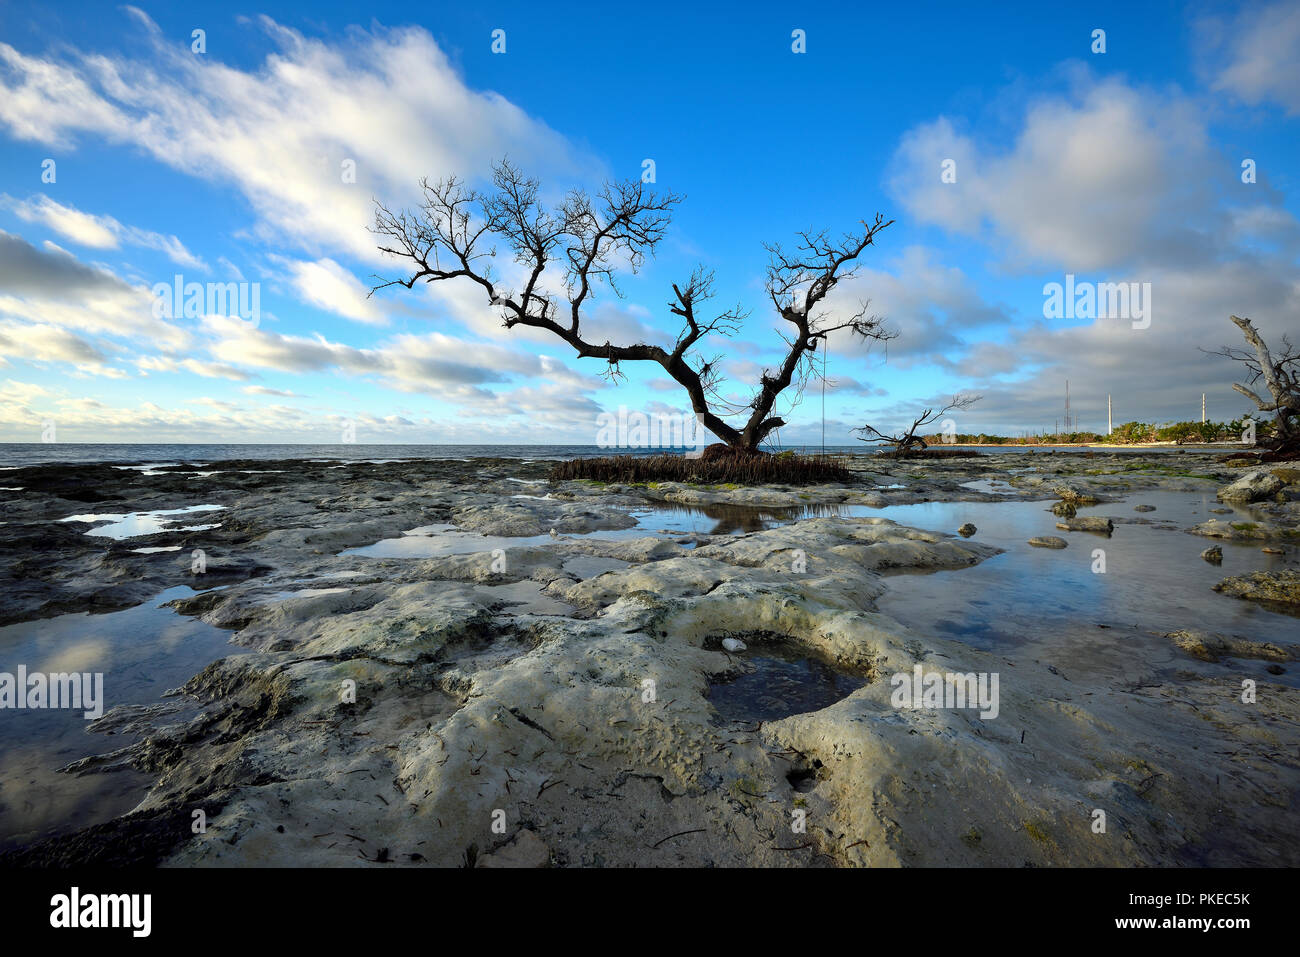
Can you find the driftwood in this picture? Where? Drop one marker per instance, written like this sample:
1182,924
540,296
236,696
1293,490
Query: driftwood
904,443
1279,373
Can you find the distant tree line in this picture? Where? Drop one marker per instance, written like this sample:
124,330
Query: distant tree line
1130,433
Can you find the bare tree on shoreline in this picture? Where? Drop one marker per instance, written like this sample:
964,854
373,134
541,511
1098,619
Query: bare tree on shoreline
450,236
1280,374
909,441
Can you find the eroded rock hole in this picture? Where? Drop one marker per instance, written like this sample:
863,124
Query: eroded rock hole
776,677
804,780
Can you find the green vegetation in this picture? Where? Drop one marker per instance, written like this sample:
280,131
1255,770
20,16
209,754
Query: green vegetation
725,470
1130,433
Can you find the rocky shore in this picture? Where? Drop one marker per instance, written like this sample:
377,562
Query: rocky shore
464,663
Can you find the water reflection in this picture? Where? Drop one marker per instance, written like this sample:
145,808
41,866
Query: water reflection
142,652
133,524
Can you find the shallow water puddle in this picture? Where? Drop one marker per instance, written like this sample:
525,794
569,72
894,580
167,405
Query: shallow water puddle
135,524
141,652
1154,576
991,486
431,542
726,519
524,598
438,541
778,679
150,468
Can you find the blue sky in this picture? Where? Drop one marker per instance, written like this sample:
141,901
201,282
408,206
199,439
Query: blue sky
224,166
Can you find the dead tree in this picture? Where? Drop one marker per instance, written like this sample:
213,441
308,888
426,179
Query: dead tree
906,442
586,238
1280,375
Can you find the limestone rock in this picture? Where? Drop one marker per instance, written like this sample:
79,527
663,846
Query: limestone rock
1210,647
1253,486
1074,495
1281,586
1088,523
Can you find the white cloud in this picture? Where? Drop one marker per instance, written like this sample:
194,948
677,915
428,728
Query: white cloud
432,364
208,370
329,286
1256,55
1117,184
388,100
1101,177
97,232
48,102
36,342
47,286
264,390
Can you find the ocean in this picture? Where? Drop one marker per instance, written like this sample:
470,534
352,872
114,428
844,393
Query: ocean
18,454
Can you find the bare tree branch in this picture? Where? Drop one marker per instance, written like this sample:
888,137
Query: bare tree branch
908,441
1280,374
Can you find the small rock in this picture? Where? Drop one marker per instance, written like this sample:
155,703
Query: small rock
1270,550
1213,554
1144,508
1088,523
1221,511
733,644
1064,509
1275,670
967,530
1074,495
1048,541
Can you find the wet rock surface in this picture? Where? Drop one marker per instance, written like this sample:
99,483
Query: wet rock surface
1088,523
513,697
1280,587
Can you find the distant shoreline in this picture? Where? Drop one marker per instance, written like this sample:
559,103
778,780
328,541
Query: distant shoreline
1097,445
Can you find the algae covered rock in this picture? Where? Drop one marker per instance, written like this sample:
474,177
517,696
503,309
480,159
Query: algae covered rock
1088,523
1211,647
1282,586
